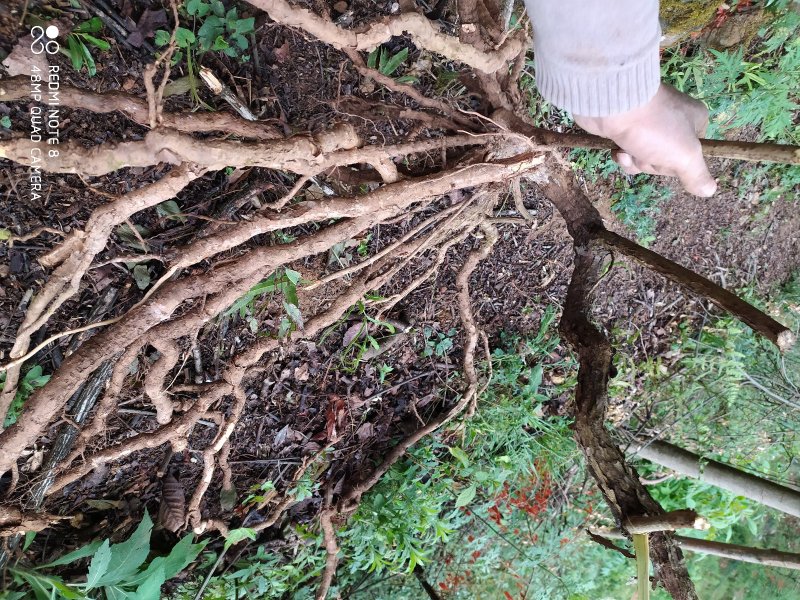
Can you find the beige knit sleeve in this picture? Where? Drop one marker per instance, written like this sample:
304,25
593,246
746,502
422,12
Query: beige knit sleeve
596,57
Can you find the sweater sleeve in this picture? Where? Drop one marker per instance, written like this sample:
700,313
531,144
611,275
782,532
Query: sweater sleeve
596,57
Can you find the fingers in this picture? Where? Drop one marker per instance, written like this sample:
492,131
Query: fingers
695,176
625,162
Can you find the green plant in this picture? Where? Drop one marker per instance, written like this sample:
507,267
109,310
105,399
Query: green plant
219,31
636,204
436,342
5,122
386,63
284,281
116,571
77,49
361,337
32,380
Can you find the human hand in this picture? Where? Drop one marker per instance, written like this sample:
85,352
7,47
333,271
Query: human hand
661,138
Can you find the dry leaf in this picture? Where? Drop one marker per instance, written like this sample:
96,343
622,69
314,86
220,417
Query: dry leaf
353,332
283,53
172,512
365,432
22,61
34,462
301,373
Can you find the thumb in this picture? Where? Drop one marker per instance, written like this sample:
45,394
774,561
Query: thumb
696,178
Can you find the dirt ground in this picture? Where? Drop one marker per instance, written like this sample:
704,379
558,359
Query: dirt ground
299,395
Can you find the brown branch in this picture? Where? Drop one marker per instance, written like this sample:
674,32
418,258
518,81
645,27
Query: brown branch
421,30
419,573
18,88
760,556
606,543
15,522
677,519
721,475
408,90
748,151
154,381
760,322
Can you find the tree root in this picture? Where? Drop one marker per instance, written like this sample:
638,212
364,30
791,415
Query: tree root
74,256
18,88
418,27
154,381
331,550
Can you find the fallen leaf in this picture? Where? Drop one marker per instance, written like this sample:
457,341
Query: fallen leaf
353,332
172,512
334,416
103,504
22,60
301,373
34,462
147,25
283,52
287,435
365,432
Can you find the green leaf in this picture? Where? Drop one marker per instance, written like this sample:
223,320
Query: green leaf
220,43
237,535
128,556
181,555
5,121
87,57
227,499
29,536
184,38
98,43
93,25
372,58
535,377
218,8
45,586
294,314
115,592
129,238
393,63
83,552
99,565
460,455
142,276
198,8
171,210
293,276
75,52
150,589
162,38
466,496
244,26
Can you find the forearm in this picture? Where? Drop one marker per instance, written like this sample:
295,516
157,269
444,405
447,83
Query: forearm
596,57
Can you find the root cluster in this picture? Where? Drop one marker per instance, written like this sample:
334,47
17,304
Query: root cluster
205,275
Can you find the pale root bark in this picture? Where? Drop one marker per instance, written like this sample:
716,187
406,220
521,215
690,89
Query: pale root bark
423,32
784,499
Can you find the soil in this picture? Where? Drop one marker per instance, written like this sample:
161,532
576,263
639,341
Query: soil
304,398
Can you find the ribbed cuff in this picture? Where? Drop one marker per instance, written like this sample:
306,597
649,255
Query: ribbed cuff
599,92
